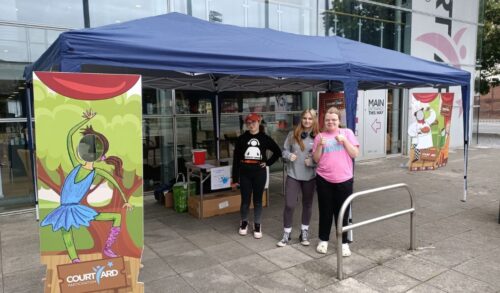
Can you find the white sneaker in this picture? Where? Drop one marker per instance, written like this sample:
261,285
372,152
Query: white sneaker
322,247
257,231
345,250
243,228
304,237
284,241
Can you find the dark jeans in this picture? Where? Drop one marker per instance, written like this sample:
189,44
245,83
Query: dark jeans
252,181
331,196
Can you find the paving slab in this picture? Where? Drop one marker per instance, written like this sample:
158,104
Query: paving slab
157,231
352,265
377,251
208,238
452,281
453,251
227,251
280,281
415,267
386,280
348,285
285,257
174,284
425,288
485,268
190,261
216,279
315,274
29,280
172,247
250,266
155,269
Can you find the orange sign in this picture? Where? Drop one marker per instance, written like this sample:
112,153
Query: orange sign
92,276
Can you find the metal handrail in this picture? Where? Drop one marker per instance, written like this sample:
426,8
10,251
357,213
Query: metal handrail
341,229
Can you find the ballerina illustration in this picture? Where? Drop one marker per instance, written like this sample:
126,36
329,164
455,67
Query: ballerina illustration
71,213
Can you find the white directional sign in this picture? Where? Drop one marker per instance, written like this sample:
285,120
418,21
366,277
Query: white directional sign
374,123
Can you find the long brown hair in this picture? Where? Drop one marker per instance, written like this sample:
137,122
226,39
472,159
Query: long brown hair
332,110
299,129
112,160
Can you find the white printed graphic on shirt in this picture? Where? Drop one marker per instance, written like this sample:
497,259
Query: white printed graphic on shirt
253,152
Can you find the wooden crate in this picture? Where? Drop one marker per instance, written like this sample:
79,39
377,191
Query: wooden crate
219,203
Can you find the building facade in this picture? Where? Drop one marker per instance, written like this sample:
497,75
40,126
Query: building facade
175,121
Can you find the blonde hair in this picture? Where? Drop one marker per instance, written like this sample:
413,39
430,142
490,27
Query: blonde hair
332,110
299,129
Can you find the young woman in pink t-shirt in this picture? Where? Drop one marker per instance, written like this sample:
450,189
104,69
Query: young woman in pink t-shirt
334,150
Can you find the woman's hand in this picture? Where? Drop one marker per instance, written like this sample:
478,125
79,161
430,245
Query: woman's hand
89,114
292,157
262,165
340,138
128,206
234,185
322,140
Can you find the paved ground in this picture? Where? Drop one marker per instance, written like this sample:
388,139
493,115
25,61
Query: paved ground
458,243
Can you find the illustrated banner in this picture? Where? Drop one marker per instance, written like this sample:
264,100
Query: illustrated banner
89,180
429,130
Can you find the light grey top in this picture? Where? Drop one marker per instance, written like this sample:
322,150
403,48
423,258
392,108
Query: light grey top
298,169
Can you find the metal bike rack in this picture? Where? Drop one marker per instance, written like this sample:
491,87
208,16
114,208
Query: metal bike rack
340,229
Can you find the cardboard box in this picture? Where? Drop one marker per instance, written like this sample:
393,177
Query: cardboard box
169,199
219,203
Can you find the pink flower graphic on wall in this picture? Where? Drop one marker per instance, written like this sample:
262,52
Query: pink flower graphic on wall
450,49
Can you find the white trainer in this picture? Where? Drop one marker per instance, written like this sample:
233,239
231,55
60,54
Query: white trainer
243,228
345,250
322,247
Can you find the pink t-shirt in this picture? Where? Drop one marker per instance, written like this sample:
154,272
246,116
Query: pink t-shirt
335,164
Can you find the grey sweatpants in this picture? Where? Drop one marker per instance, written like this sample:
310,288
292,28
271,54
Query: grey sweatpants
293,188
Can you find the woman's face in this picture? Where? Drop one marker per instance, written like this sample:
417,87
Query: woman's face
307,120
253,126
332,121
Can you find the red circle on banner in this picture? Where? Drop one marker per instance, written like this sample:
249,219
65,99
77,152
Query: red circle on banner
88,86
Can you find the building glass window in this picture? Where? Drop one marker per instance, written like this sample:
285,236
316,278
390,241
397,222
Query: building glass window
40,40
198,8
16,182
227,11
13,44
157,102
116,11
68,13
279,111
256,13
12,99
158,151
158,137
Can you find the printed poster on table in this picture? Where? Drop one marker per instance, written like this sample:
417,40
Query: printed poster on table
89,180
220,177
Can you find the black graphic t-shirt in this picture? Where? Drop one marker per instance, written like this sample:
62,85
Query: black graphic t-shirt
251,149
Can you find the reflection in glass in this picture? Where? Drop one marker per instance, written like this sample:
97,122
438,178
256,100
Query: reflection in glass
16,184
195,133
90,148
68,13
156,101
12,98
40,40
193,102
116,11
158,152
13,46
